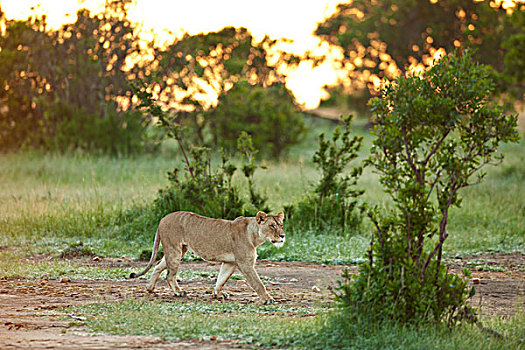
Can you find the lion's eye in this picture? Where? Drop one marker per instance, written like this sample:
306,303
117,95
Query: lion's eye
272,226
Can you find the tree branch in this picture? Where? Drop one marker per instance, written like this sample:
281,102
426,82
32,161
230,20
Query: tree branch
442,229
438,246
379,233
190,169
434,184
427,159
409,157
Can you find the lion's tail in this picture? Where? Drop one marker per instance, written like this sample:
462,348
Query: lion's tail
154,252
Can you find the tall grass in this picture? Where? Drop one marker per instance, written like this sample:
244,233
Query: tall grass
49,199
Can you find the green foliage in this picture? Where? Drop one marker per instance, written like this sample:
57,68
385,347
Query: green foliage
69,88
231,65
332,205
60,88
76,250
116,133
207,192
341,100
248,151
514,72
268,114
401,24
433,134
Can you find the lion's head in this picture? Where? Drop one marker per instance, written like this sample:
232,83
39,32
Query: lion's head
271,227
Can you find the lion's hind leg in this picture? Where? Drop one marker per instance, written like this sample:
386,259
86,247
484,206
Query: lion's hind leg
225,273
173,263
161,266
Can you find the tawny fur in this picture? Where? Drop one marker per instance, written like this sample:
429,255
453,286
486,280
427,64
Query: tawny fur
233,243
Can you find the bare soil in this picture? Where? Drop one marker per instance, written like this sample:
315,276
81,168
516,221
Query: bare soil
31,316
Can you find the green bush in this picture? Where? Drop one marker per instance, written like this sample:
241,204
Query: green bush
268,114
332,205
433,133
198,188
203,191
115,133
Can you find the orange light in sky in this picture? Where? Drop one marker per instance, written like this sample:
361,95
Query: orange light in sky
164,19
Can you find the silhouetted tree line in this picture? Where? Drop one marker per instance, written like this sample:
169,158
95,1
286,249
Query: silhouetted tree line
248,94
72,88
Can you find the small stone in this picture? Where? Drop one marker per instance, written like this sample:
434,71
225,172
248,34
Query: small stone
476,281
213,338
96,258
45,275
241,283
316,289
65,280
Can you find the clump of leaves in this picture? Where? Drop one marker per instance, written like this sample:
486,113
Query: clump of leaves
204,190
433,134
332,205
76,250
145,255
268,114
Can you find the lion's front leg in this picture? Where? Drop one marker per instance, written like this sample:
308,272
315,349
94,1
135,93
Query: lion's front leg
248,270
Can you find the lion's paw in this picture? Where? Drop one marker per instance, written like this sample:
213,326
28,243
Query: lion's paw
223,296
269,301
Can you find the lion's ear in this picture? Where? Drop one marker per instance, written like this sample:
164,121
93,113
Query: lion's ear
281,216
260,217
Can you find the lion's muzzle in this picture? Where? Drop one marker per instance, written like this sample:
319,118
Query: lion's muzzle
280,242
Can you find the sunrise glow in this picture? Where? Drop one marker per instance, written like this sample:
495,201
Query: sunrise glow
165,20
292,21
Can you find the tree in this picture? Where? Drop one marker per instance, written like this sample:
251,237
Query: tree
24,46
69,88
434,133
514,73
201,188
269,115
195,71
382,39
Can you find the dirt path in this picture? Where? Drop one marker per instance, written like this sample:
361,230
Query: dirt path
29,315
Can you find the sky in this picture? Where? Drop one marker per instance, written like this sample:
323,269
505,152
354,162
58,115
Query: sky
291,19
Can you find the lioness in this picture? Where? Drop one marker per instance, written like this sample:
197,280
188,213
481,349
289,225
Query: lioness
233,243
